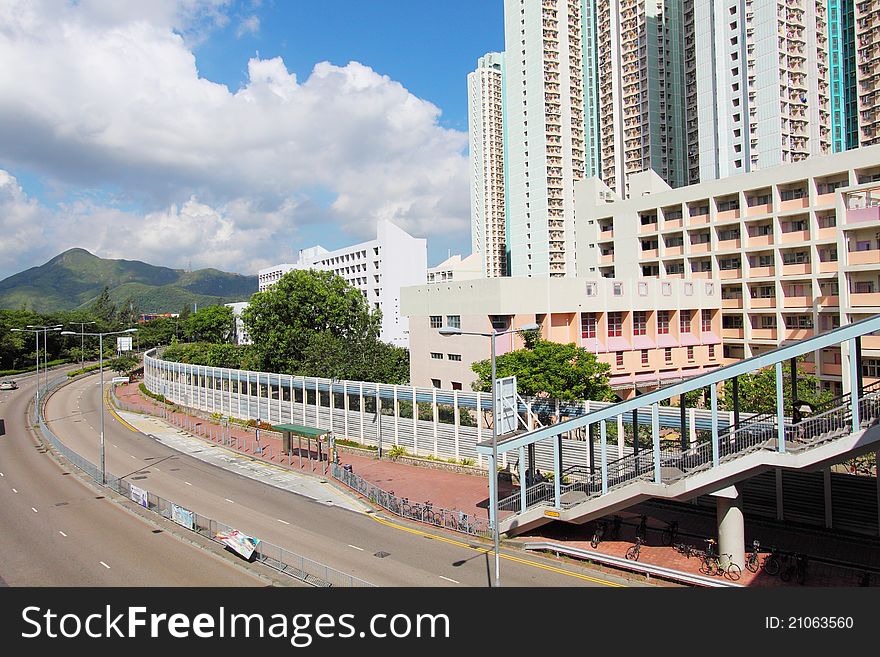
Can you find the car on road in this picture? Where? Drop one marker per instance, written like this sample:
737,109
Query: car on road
8,385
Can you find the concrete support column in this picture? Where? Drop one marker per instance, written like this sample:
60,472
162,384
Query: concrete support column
731,527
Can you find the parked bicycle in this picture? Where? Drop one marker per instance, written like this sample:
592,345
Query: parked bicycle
634,550
598,534
772,562
642,529
713,565
752,560
794,567
670,533
687,550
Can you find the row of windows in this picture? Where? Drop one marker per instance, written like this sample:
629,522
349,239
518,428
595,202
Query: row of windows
452,321
667,353
589,322
438,356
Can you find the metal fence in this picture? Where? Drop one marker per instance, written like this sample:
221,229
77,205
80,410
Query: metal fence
420,511
283,560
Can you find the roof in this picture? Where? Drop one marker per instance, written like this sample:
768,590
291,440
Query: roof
300,430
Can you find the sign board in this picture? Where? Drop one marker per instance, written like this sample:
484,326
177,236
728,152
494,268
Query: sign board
139,495
239,542
181,516
123,344
551,514
505,404
119,379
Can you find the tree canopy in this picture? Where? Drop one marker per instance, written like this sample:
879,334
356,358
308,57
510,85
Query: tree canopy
215,324
757,390
544,368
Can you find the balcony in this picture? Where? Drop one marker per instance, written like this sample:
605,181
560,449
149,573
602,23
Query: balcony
725,245
761,240
828,301
726,215
701,274
871,342
763,302
863,215
796,269
828,267
649,253
648,228
826,199
674,250
697,219
864,300
827,233
754,210
794,204
732,333
831,369
764,333
672,223
795,236
869,257
798,333
755,272
736,302
798,302
730,273
606,259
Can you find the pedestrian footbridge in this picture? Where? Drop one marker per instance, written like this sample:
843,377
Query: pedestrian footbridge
714,460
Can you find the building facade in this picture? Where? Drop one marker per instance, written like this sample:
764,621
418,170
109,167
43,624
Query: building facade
379,268
650,332
456,268
486,141
795,248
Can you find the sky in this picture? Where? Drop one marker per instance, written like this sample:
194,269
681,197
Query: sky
232,133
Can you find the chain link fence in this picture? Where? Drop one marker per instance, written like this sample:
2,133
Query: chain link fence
283,560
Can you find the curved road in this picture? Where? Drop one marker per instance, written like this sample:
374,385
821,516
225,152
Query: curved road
59,531
382,551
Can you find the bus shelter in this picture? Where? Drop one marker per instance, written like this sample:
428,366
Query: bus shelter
324,443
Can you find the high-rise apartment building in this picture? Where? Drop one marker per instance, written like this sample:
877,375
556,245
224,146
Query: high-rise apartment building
544,148
866,25
486,140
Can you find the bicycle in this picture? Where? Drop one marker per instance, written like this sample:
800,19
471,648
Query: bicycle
685,549
598,534
670,533
633,552
752,560
616,521
771,563
642,529
788,568
711,562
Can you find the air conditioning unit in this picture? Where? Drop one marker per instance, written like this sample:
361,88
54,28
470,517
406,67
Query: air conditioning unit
606,196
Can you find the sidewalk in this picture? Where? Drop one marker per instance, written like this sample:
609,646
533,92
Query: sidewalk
469,493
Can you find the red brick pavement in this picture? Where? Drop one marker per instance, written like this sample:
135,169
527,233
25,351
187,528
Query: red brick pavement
468,493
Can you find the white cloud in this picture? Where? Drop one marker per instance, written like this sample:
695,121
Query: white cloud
249,25
104,94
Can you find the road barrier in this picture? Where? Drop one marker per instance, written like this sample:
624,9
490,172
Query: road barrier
284,561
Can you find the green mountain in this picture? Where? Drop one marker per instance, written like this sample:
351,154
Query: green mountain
75,278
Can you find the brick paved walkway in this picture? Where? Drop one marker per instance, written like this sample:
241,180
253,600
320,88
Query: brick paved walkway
469,493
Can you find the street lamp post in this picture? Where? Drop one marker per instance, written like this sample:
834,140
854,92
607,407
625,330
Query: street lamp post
493,503
45,330
36,333
82,342
100,337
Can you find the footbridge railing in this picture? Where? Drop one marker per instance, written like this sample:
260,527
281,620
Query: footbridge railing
665,463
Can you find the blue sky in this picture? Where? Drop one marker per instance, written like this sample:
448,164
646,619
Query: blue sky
233,133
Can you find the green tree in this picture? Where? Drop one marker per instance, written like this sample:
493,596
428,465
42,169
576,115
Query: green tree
103,310
283,319
560,371
215,324
757,390
157,331
366,359
123,364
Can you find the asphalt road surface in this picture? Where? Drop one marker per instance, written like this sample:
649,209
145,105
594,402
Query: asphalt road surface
383,551
55,530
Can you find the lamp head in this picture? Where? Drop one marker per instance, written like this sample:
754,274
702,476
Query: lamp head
68,333
529,327
449,330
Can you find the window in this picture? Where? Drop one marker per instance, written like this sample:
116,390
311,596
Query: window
871,367
453,321
644,357
663,322
640,322
619,358
435,383
690,353
711,352
500,322
617,289
456,385
436,321
668,353
707,321
588,325
455,357
591,289
684,321
864,287
436,356
615,324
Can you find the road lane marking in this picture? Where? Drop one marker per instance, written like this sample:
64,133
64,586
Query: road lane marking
283,521
355,547
1,474
228,500
14,491
450,580
33,509
489,550
105,565
187,483
62,533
